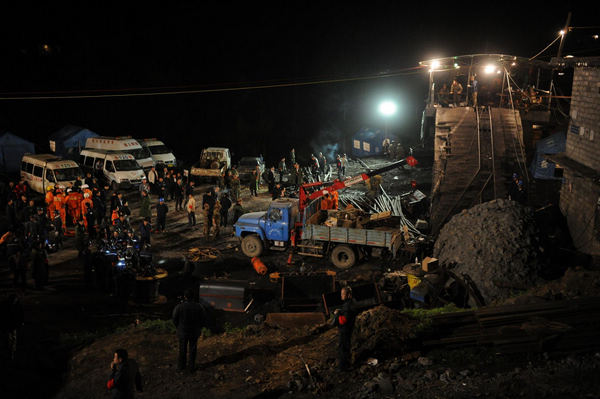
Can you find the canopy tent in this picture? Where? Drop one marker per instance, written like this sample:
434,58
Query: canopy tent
367,142
542,168
12,149
68,141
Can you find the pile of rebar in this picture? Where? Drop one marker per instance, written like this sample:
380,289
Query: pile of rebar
381,203
202,254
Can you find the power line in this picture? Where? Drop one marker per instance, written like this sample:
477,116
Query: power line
546,48
151,91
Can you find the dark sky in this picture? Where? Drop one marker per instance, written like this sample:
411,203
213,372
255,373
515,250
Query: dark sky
226,44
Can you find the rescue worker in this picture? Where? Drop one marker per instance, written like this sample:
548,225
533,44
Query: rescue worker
343,319
314,166
270,180
85,204
86,189
145,206
50,200
206,217
216,219
145,232
60,202
338,163
325,202
292,156
456,90
74,205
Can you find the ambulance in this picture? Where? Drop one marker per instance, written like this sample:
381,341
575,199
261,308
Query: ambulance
123,144
47,170
119,169
161,154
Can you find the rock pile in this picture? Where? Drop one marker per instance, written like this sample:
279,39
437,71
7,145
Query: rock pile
496,244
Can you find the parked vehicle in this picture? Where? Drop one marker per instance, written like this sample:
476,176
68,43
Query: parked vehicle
122,144
43,170
247,165
119,169
213,162
298,224
161,154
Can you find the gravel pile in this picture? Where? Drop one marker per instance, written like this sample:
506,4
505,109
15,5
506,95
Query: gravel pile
496,244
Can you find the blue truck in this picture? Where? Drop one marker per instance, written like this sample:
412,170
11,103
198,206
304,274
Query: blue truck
295,224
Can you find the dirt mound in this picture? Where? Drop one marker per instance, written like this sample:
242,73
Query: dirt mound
381,331
496,244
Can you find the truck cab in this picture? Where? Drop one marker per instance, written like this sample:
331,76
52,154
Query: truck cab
270,229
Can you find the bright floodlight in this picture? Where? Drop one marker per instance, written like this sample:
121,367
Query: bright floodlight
435,64
388,108
489,69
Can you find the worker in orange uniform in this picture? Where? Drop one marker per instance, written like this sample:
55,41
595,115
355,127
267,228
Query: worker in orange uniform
335,200
87,199
60,203
50,201
86,189
114,217
326,202
74,199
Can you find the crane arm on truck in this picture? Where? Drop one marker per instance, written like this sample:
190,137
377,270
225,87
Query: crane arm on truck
306,198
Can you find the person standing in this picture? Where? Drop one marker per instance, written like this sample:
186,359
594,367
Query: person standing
282,169
152,179
125,376
144,186
314,167
297,177
161,215
237,211
456,90
338,164
292,156
188,318
206,219
254,179
216,219
145,232
344,164
270,180
474,90
179,195
343,319
235,187
81,239
191,210
225,205
323,163
145,206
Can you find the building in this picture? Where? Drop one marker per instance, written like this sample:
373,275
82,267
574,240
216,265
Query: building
580,191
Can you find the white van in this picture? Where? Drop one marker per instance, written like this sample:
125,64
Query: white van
118,169
122,144
43,170
161,154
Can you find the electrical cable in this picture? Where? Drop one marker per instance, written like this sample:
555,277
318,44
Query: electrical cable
148,93
546,48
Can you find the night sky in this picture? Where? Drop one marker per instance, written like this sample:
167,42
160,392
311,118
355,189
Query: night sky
196,45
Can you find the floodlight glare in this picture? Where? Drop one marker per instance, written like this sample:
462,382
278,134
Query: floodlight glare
388,108
562,32
435,64
489,69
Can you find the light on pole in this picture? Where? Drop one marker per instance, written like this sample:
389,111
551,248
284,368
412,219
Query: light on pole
387,109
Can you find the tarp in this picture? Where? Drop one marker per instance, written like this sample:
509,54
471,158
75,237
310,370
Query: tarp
68,141
12,149
367,142
541,167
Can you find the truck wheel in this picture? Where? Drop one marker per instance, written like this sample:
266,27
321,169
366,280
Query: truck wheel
343,257
252,246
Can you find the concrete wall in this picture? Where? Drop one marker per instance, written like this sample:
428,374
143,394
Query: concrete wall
579,203
579,195
583,138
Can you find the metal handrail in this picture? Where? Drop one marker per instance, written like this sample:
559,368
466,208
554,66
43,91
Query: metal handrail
493,155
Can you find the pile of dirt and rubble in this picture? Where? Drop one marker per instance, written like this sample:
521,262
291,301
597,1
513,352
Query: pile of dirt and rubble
496,244
381,331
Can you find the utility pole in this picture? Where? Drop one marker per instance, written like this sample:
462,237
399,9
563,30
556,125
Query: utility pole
558,55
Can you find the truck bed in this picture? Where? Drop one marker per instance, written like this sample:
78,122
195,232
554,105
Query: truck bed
374,238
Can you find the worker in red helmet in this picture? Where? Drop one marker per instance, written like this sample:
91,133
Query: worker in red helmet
343,319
